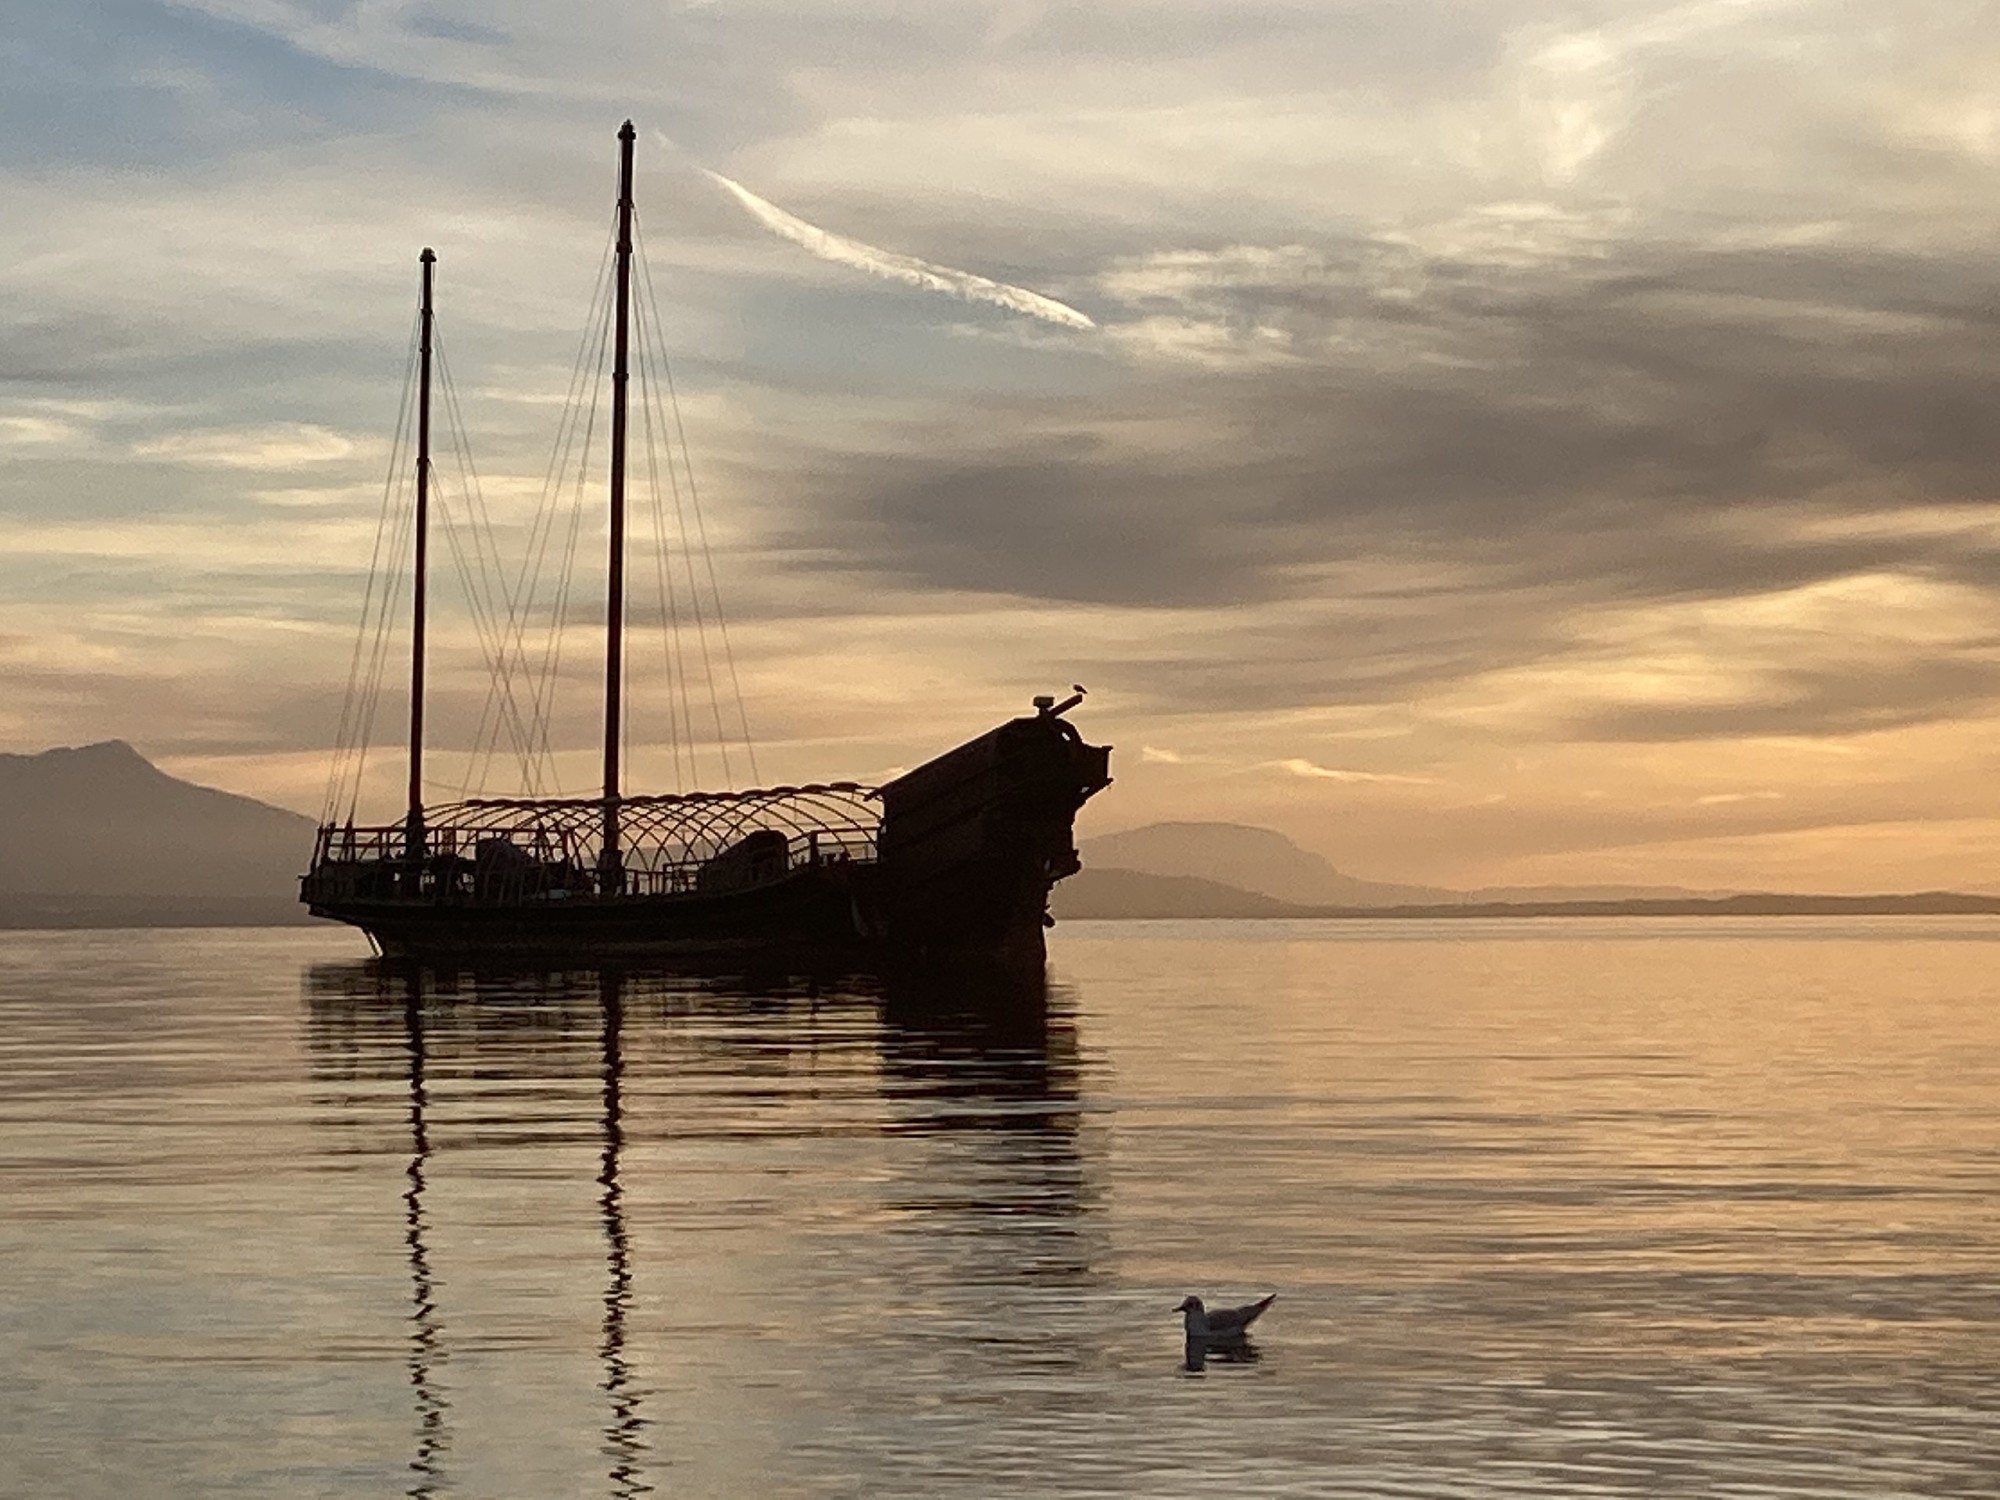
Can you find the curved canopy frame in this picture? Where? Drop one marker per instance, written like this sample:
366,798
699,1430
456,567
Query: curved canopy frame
836,819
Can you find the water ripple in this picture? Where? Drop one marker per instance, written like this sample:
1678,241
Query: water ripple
1552,1209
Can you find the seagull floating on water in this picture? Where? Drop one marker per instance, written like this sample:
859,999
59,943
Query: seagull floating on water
1222,1324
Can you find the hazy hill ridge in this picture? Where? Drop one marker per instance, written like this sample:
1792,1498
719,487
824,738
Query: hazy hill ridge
1263,862
98,833
1188,869
1092,892
1258,860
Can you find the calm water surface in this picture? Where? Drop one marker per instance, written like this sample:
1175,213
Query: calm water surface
1552,1208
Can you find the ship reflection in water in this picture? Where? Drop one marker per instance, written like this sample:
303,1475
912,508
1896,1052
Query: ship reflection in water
498,1079
1570,1209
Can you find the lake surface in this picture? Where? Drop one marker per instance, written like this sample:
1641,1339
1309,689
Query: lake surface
1552,1208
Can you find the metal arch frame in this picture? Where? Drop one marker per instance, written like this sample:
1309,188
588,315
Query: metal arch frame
671,846
701,826
836,820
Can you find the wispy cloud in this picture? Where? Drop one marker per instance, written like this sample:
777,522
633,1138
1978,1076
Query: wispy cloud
906,269
1162,755
1315,772
287,446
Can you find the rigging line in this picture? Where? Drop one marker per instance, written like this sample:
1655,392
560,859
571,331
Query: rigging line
682,674
679,705
378,634
547,682
589,360
480,585
526,585
694,590
701,527
587,428
649,303
663,609
385,565
552,653
488,576
470,570
399,547
400,539
559,619
679,717
494,716
714,587
537,756
463,566
343,746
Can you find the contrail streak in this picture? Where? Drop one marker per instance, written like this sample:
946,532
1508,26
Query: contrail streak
907,269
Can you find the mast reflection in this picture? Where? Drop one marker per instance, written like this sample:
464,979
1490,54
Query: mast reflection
961,1096
427,1352
354,1004
623,1444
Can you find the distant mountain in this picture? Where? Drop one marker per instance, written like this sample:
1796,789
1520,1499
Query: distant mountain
1095,893
1258,860
1128,895
1740,904
1232,870
1531,893
99,834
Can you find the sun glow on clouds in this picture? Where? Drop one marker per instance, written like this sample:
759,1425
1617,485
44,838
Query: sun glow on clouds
1711,650
37,431
297,445
1312,771
1505,449
286,542
39,426
1582,89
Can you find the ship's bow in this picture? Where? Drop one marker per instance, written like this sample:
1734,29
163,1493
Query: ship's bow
972,842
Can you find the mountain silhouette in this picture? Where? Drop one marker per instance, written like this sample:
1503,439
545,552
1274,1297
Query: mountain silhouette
1261,861
1094,893
97,834
1188,869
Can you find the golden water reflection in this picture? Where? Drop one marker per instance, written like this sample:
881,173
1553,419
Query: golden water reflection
1552,1209
984,1063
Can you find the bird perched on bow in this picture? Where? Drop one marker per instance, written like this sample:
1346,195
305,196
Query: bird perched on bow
1222,1324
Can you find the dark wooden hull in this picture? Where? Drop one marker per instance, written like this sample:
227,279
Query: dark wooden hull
810,913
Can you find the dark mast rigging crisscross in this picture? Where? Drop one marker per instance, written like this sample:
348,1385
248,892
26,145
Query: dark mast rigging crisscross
956,855
501,616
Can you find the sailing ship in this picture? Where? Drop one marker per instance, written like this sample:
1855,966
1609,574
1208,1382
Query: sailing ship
954,859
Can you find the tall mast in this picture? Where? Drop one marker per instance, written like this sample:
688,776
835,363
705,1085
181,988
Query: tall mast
413,828
610,861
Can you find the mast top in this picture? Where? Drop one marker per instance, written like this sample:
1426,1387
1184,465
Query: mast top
626,132
428,256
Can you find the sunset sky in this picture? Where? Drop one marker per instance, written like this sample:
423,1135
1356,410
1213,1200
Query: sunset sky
1495,443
